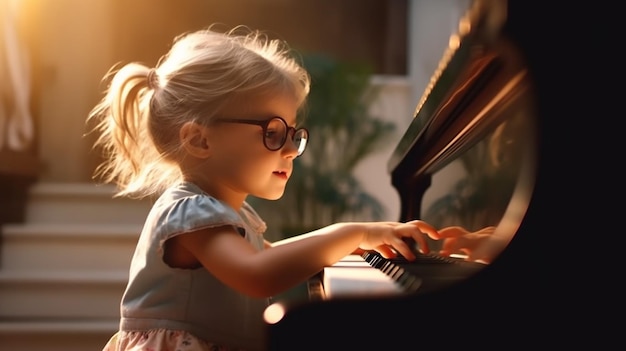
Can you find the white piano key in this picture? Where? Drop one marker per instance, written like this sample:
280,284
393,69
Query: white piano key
353,276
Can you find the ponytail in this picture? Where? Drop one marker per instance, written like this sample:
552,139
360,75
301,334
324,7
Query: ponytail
132,161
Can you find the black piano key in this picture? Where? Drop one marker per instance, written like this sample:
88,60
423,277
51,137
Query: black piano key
427,272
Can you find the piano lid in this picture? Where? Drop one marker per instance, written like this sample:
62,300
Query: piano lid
478,78
469,156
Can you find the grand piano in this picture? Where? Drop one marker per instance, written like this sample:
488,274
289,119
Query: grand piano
469,158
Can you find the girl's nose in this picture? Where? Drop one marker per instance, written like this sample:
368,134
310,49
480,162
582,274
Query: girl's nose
290,149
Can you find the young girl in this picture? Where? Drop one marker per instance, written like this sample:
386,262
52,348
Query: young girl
214,122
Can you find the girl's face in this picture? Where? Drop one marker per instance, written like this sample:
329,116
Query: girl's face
240,163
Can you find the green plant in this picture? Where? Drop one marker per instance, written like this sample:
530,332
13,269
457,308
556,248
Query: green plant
323,187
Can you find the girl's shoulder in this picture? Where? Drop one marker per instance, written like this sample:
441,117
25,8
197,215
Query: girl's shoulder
185,207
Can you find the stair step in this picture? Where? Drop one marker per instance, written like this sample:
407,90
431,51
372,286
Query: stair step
61,326
82,203
61,294
67,277
56,335
59,246
64,269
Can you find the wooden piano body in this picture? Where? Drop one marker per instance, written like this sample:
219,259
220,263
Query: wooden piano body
470,158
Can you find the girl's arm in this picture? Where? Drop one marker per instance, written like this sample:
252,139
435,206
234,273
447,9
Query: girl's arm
228,256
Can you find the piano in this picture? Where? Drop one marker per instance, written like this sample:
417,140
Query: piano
469,158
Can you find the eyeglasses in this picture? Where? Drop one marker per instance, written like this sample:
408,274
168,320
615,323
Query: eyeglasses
275,132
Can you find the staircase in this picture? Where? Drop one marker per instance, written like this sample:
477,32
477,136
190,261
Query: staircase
63,271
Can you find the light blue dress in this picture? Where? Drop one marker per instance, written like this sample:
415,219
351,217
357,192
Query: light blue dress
191,305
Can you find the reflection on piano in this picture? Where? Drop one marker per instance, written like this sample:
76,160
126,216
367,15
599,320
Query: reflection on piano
468,159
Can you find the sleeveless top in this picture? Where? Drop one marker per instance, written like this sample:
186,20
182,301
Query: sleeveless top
161,297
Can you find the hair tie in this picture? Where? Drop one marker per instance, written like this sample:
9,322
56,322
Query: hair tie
152,78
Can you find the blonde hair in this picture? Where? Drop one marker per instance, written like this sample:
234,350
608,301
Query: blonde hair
143,109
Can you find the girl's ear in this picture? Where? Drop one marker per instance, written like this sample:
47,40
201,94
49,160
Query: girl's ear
194,138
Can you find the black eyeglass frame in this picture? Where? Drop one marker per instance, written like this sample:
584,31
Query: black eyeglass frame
264,124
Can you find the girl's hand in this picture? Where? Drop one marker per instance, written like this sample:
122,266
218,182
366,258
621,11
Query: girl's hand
479,246
387,237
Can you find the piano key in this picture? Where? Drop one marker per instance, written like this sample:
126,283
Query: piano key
427,272
353,276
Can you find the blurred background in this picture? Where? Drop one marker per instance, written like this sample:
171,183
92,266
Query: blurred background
66,47
66,243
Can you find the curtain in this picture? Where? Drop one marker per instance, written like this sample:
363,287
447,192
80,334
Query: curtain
16,124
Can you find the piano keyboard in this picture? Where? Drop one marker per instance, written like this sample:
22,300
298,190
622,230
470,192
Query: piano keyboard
370,274
435,272
353,276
